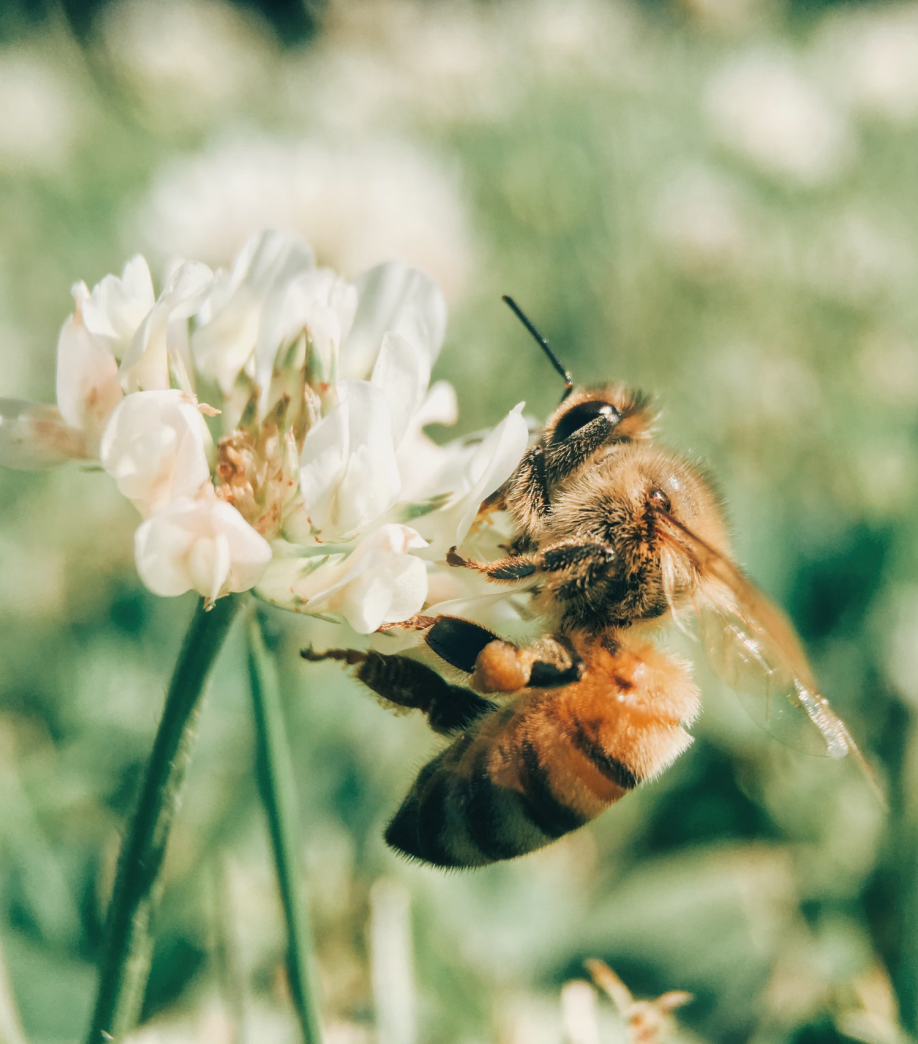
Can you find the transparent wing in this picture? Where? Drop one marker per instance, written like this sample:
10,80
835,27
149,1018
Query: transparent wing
773,699
756,651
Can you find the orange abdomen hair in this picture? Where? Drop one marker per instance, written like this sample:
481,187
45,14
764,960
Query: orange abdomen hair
550,761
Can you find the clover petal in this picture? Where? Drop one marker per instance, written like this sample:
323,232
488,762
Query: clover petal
201,544
393,297
87,379
349,473
156,447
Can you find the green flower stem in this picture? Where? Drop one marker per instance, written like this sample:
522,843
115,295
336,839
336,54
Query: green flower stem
128,947
278,792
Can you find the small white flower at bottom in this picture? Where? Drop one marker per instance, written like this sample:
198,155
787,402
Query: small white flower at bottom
201,544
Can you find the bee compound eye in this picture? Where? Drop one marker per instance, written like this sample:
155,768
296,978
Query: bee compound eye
580,415
658,499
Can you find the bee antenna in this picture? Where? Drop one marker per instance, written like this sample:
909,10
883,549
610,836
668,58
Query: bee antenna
543,344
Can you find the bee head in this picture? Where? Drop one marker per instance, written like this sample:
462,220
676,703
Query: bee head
628,502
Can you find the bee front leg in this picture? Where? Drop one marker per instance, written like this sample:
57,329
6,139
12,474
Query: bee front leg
527,491
564,457
509,569
578,560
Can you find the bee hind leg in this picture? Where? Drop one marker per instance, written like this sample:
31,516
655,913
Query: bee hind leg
458,641
550,663
499,666
404,682
350,656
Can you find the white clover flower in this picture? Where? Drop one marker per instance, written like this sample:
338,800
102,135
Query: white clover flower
476,470
398,300
87,378
159,351
200,544
318,460
33,435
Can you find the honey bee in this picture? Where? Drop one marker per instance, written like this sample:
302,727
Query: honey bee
614,535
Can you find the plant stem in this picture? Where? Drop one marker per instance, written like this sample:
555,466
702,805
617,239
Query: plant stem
128,946
278,792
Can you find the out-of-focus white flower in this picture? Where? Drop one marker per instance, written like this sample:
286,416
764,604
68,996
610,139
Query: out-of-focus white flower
855,256
186,57
39,125
354,203
378,582
199,544
156,446
699,215
870,57
603,41
763,106
455,63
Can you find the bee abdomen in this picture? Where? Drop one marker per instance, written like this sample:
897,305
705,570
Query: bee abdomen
466,820
419,828
617,772
552,816
478,803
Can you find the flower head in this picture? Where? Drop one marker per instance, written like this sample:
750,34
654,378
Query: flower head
307,475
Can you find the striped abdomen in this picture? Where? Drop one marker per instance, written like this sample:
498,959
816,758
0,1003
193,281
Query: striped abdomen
534,770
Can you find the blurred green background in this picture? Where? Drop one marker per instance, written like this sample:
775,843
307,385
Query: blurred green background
716,201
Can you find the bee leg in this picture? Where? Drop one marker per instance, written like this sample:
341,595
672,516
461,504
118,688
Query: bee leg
577,558
407,683
582,560
509,569
504,667
418,622
458,641
499,666
529,494
350,656
571,453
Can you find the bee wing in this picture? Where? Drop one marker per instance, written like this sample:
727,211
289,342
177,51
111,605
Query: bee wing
755,649
775,699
